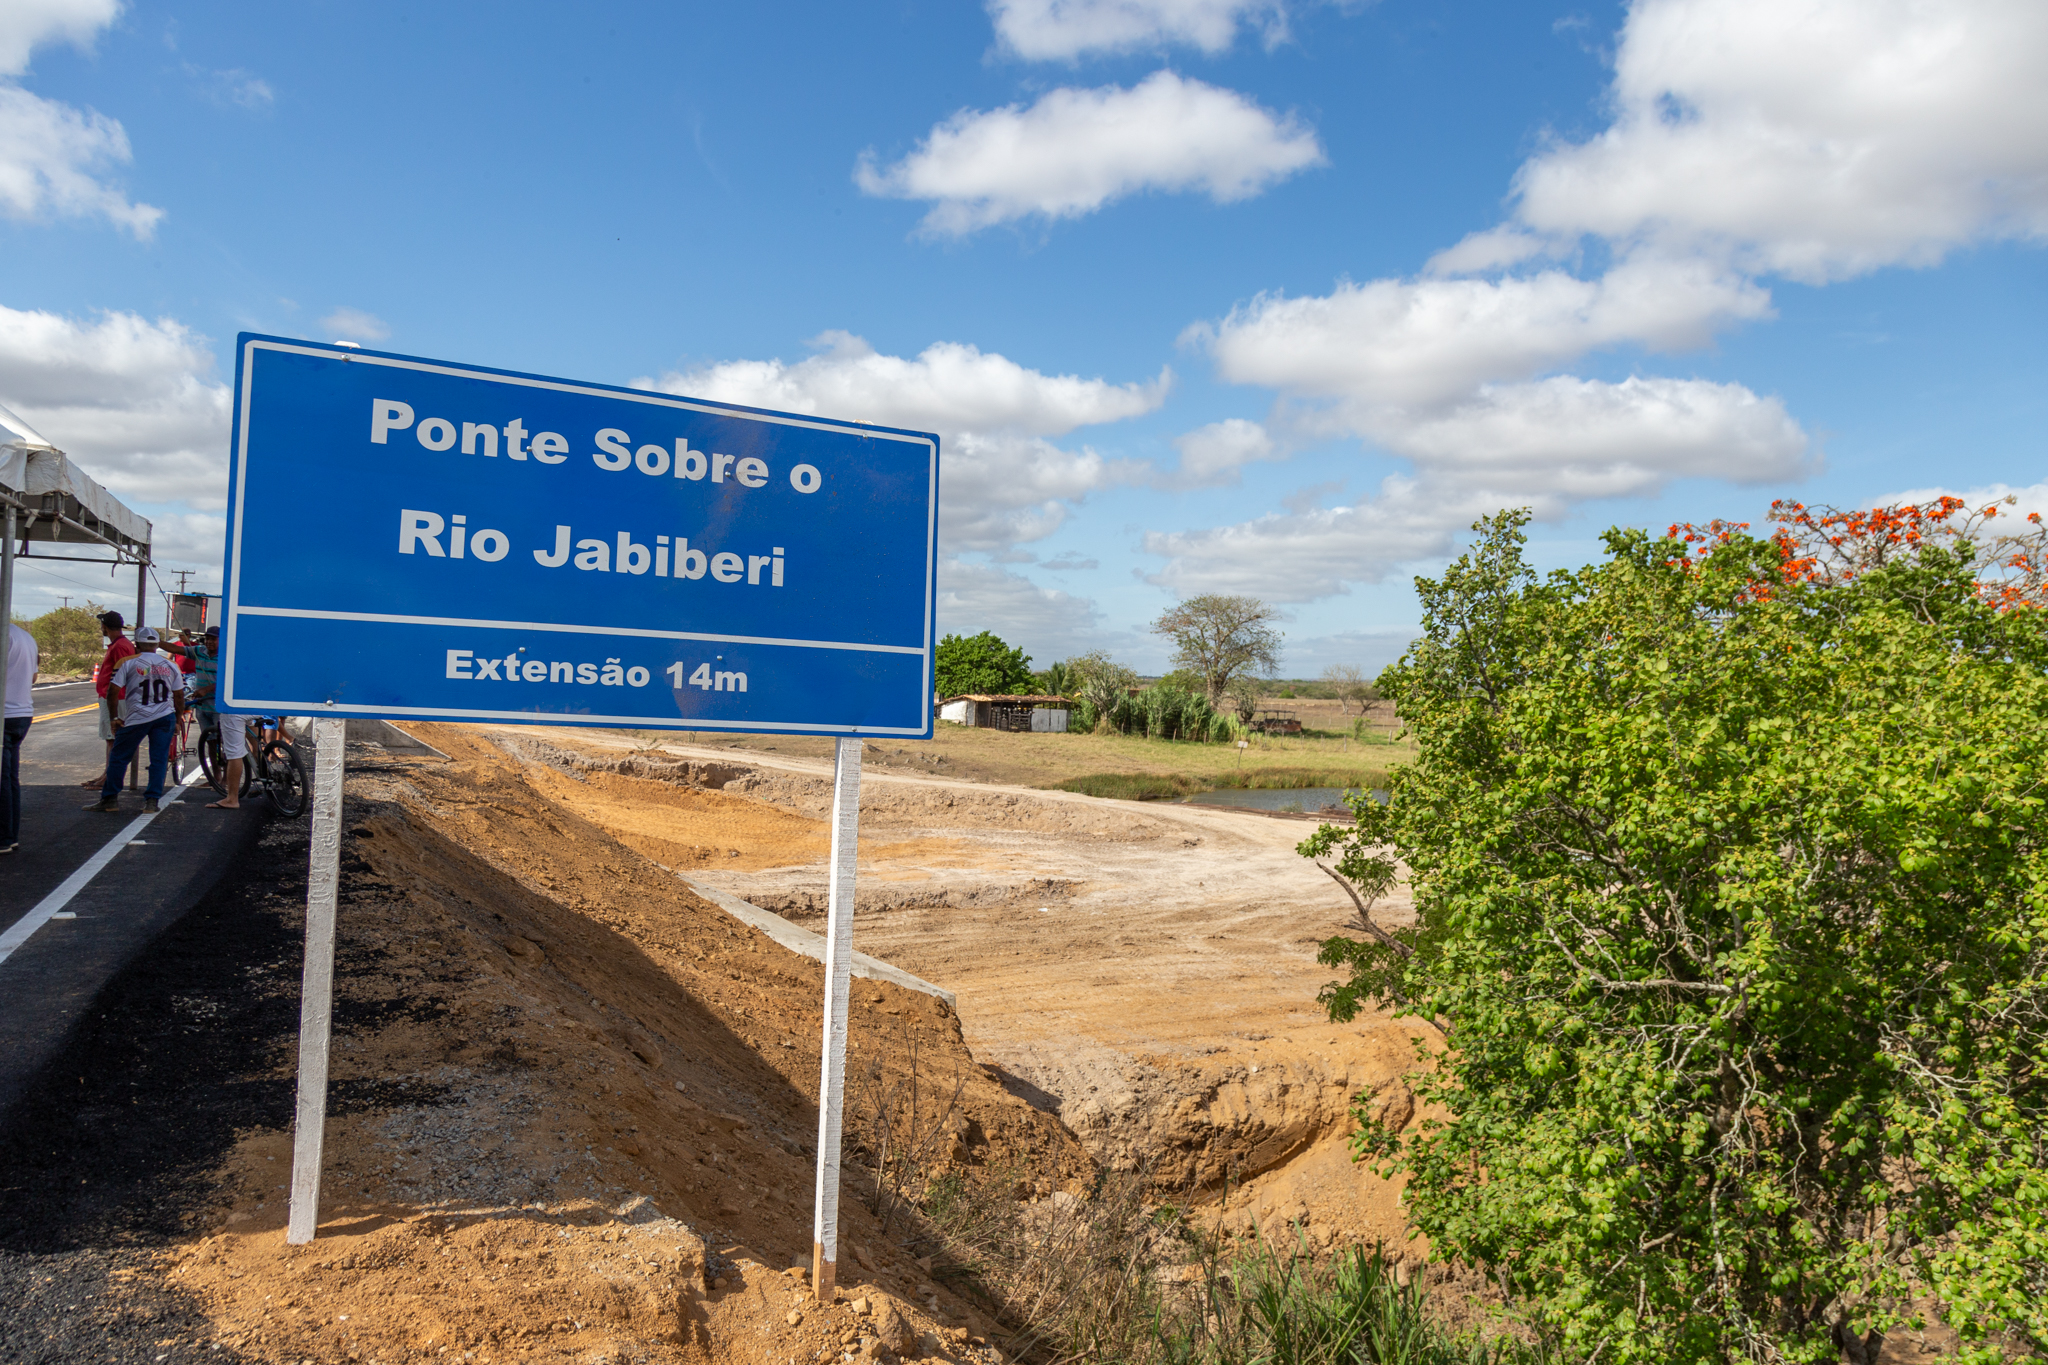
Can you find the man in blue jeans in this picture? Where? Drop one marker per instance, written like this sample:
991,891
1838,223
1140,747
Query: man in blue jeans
148,693
21,710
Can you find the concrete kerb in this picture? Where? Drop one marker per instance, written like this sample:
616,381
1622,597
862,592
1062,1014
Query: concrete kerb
811,945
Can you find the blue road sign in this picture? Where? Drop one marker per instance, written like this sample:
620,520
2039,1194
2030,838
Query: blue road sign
418,539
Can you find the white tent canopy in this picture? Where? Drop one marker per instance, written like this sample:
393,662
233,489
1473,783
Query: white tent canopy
62,502
46,499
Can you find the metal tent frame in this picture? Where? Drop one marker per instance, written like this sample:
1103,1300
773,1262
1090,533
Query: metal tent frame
48,500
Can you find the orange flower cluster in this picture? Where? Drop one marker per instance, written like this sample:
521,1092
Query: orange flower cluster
1827,545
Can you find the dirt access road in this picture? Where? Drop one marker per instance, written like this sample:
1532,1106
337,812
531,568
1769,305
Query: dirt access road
1145,972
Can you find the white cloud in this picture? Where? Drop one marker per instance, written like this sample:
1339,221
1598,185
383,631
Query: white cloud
236,87
354,324
54,158
190,538
1749,137
1445,373
126,397
1419,342
1075,150
1818,140
1046,623
1494,249
1005,482
1062,30
26,25
52,163
1548,445
950,388
2011,520
1569,439
1302,556
1213,455
1069,562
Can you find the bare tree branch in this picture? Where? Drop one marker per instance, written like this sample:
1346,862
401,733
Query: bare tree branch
1365,912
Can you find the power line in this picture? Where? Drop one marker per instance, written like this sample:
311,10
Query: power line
60,577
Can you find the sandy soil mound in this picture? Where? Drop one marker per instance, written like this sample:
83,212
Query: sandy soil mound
1146,973
594,1105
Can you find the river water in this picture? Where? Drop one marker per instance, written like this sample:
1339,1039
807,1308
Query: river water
1307,800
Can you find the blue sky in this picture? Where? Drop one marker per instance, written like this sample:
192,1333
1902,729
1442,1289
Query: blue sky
1203,295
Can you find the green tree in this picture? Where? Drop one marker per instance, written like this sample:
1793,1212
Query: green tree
1732,903
1057,680
980,664
1219,638
1101,684
68,639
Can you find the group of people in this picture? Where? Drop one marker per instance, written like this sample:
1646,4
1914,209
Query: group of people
144,684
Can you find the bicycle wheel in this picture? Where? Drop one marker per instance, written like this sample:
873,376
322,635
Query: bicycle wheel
181,747
210,762
285,774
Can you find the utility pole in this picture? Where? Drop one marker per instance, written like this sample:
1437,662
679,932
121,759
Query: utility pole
182,574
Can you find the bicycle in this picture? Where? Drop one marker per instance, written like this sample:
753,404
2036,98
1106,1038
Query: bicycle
273,765
181,746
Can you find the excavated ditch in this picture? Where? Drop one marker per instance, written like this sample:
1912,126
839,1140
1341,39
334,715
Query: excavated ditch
1144,973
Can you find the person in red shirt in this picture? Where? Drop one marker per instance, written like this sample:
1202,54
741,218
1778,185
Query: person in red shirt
118,648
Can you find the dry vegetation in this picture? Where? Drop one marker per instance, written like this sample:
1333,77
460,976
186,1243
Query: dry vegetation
1327,756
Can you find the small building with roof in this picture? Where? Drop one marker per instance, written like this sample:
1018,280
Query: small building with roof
1035,713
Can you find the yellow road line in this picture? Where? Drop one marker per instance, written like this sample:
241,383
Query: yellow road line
54,715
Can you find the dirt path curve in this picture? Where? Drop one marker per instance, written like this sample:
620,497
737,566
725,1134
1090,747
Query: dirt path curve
1147,972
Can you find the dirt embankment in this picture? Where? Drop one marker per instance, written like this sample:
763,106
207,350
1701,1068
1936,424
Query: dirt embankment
594,1136
1146,973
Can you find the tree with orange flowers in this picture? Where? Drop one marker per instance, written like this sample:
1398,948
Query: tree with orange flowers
1830,546
1730,869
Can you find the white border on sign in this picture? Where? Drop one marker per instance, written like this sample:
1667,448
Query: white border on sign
232,600
375,619
256,706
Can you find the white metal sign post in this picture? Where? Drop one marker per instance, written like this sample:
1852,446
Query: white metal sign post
838,965
549,551
316,991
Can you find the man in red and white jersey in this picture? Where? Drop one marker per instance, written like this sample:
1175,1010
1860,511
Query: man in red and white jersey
118,648
148,691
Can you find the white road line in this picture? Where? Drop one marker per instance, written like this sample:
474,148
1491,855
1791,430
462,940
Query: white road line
46,910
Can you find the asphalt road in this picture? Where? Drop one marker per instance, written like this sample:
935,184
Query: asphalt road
48,983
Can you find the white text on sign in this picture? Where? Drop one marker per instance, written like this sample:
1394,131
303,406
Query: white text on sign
438,537
471,666
615,451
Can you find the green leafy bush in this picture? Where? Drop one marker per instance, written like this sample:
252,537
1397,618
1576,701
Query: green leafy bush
980,664
68,639
1733,902
1175,707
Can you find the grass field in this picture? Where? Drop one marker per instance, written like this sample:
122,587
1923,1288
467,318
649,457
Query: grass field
1122,765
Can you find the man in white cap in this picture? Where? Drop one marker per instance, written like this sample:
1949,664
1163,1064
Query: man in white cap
149,690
